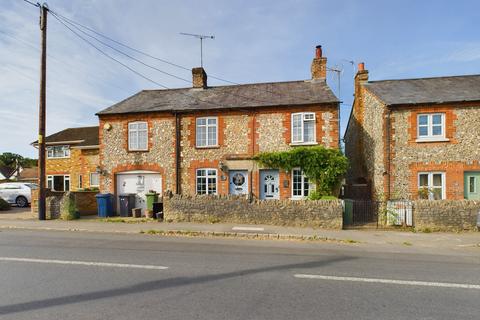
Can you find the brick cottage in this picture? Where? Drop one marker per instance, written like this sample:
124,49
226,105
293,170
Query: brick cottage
72,159
201,140
415,138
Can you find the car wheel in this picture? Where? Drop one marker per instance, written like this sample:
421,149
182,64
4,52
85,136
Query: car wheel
21,201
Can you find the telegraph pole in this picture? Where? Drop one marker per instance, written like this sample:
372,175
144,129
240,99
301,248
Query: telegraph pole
42,115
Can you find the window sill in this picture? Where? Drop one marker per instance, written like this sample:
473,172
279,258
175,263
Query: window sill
146,150
208,147
427,140
303,144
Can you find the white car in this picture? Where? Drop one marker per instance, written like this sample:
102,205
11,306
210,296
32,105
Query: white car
17,193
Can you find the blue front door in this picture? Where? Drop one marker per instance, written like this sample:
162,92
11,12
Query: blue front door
269,184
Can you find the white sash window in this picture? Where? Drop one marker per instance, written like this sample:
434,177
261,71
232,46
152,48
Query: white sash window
303,127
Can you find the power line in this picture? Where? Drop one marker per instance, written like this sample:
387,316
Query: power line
122,44
139,61
107,55
32,3
126,66
72,22
68,65
77,26
137,50
126,55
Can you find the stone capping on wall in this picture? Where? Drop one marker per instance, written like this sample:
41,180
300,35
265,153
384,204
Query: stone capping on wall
449,215
240,209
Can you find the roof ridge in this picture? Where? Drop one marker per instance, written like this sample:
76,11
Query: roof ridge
228,85
425,78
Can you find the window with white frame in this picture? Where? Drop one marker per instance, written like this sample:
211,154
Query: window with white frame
94,179
206,181
431,126
206,132
58,182
300,184
58,152
80,181
303,127
431,185
138,136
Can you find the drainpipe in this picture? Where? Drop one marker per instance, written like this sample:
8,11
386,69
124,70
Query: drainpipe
388,152
253,154
177,153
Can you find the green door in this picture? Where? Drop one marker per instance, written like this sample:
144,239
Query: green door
472,185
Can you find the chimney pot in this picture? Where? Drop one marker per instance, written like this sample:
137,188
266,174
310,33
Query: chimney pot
319,65
318,52
361,66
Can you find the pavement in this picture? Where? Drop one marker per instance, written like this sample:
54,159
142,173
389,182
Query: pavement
400,241
94,275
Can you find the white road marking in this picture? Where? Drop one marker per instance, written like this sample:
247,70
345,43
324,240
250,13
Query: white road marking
247,229
391,281
85,263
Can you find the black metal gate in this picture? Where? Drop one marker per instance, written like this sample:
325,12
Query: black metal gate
361,213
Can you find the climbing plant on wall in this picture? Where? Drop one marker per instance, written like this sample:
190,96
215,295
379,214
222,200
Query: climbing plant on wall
325,167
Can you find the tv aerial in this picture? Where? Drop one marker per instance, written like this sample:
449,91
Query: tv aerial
201,37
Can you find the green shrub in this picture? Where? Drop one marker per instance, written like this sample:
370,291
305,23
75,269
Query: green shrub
4,205
325,167
314,195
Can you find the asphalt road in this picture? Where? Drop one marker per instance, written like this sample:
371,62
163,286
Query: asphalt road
74,275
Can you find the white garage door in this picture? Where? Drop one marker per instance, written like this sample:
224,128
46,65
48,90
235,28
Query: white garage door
139,183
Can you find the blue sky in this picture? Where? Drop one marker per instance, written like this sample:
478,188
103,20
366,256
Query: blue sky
255,41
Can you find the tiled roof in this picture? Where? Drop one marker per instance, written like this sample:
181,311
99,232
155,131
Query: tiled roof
28,174
427,90
7,172
88,136
226,97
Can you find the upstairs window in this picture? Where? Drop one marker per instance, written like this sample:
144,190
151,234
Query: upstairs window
137,136
206,181
431,185
431,126
206,132
303,127
58,152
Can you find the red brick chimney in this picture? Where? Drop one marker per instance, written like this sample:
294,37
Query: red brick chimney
361,76
319,65
199,78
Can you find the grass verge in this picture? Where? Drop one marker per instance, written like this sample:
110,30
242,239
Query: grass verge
241,235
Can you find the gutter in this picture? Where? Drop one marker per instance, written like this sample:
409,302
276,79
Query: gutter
53,143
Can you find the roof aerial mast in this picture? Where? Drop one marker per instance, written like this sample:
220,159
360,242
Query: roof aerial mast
201,37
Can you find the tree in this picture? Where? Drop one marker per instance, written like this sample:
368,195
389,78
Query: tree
11,159
324,166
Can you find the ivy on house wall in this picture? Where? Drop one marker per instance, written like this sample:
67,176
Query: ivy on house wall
325,167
